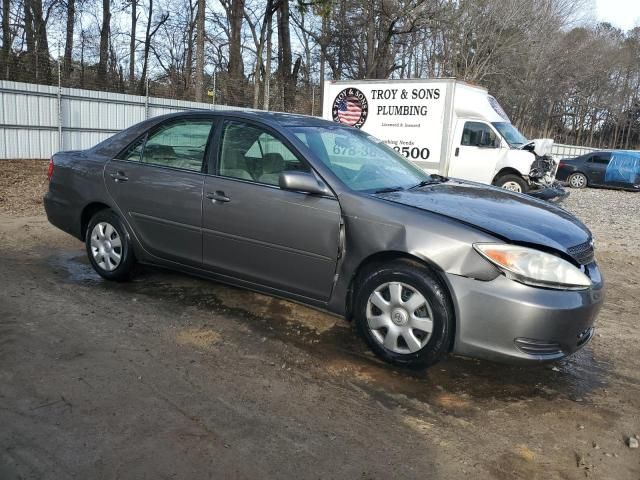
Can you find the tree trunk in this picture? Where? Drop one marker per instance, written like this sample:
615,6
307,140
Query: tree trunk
132,46
286,75
145,58
6,41
267,68
200,51
188,64
105,31
68,46
43,65
235,77
266,24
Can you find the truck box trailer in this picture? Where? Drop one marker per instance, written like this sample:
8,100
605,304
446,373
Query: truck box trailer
445,126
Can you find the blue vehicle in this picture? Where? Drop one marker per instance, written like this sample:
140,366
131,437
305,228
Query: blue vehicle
609,169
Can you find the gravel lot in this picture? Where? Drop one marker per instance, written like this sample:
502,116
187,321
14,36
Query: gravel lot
175,377
22,185
612,215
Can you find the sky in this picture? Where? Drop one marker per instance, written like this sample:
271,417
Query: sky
624,14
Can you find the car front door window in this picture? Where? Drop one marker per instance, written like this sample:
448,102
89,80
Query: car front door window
248,152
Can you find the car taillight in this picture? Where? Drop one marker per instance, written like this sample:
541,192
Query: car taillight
560,164
50,169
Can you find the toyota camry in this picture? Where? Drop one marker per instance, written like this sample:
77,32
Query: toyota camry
329,216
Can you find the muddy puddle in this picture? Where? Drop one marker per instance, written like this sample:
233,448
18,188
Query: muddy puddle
457,385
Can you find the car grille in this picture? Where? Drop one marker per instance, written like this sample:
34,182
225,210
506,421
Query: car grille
583,253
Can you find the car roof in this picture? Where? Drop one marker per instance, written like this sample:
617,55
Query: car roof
116,143
276,119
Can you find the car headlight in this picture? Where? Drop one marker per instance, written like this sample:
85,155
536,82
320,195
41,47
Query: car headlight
533,267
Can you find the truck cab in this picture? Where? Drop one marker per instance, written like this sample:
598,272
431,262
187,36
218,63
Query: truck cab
486,148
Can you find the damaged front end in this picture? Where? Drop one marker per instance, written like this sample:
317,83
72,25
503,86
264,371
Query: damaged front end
542,176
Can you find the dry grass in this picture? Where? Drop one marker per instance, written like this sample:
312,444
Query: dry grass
22,186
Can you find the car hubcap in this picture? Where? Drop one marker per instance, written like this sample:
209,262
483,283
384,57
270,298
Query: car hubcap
106,246
399,317
512,186
577,181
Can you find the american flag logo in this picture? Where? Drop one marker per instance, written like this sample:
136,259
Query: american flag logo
349,110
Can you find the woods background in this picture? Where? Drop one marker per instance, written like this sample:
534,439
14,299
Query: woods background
556,72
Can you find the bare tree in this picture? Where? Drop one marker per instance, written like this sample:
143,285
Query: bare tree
200,51
105,31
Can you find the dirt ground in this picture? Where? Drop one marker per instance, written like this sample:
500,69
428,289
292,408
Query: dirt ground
175,377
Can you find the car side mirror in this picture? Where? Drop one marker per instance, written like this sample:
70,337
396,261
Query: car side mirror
302,182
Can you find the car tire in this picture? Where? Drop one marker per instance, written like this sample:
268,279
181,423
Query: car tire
577,180
109,246
398,330
513,183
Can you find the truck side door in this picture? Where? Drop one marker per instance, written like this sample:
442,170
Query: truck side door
475,151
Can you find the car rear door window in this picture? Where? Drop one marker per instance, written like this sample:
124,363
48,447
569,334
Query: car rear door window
180,144
601,158
248,152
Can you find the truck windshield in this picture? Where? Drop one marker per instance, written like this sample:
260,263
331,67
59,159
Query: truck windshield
511,134
361,161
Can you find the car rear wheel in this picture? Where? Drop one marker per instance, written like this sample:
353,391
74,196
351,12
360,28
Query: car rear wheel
403,312
108,246
578,180
513,183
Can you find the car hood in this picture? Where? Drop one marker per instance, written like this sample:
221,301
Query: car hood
514,217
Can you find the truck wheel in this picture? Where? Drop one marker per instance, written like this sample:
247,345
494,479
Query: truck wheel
108,246
513,183
403,312
577,180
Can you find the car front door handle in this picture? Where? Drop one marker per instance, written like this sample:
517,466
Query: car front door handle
218,196
119,177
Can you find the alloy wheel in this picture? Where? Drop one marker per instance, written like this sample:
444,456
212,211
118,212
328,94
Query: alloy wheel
578,180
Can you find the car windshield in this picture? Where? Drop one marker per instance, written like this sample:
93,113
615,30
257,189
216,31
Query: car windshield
511,134
361,161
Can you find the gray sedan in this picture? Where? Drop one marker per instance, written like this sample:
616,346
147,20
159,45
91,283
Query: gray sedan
329,216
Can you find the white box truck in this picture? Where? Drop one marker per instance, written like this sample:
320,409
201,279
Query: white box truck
445,126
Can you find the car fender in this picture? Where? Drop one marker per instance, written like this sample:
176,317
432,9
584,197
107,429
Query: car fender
442,243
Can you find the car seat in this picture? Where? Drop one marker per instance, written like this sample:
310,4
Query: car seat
272,167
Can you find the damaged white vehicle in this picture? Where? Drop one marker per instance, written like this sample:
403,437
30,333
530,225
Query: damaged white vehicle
447,127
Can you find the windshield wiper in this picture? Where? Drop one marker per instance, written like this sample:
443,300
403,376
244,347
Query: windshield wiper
389,189
435,178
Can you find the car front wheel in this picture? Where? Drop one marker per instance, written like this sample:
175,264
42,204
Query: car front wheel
108,246
578,180
403,312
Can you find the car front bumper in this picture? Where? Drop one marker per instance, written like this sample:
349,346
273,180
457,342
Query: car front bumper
505,320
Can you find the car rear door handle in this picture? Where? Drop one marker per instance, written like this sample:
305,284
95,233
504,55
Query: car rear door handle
119,177
457,151
218,196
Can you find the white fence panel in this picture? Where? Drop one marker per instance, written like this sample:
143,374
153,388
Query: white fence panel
571,151
38,120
